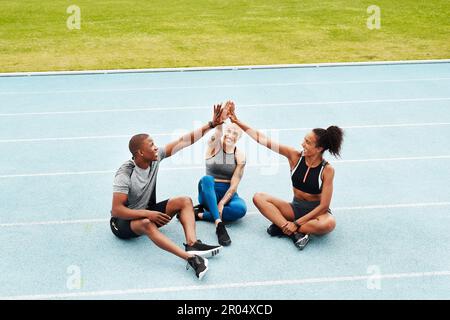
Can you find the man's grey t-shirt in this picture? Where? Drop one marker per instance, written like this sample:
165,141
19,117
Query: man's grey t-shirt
137,183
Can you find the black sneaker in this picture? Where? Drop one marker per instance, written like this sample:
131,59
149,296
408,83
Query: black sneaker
198,209
300,239
275,231
202,249
222,234
199,264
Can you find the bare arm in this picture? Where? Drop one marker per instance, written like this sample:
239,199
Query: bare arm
192,137
120,210
325,200
235,179
215,139
287,151
186,140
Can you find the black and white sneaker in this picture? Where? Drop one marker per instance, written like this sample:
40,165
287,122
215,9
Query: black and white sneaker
222,234
197,209
300,239
275,231
199,264
203,250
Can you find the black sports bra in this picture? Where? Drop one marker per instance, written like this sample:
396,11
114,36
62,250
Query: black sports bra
308,179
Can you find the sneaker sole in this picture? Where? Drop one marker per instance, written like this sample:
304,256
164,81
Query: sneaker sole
277,235
206,253
302,244
202,274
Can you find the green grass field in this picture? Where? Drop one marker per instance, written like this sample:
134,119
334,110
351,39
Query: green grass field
153,34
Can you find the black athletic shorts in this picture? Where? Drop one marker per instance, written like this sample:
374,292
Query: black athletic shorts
122,228
302,207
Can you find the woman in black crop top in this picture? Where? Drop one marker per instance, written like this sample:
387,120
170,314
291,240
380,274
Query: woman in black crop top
312,180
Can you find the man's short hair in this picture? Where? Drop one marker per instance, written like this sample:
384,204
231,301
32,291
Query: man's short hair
135,142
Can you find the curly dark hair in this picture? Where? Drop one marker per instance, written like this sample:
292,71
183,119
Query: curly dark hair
330,139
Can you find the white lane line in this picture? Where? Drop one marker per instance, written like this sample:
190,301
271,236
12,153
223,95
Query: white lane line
392,159
381,207
250,165
394,206
269,283
118,136
131,109
373,126
250,213
243,106
52,222
247,85
50,174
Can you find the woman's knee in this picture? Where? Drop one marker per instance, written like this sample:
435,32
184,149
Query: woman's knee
259,198
235,211
207,181
241,208
331,224
327,225
240,212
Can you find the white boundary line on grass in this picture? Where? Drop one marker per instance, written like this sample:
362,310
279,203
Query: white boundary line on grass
230,285
393,125
255,165
249,67
242,106
250,213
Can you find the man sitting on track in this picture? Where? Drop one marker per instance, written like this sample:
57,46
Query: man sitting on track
135,211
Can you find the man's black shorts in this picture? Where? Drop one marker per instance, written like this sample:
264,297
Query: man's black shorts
122,228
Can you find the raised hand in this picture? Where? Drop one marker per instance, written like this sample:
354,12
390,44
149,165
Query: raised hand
225,109
231,112
217,115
